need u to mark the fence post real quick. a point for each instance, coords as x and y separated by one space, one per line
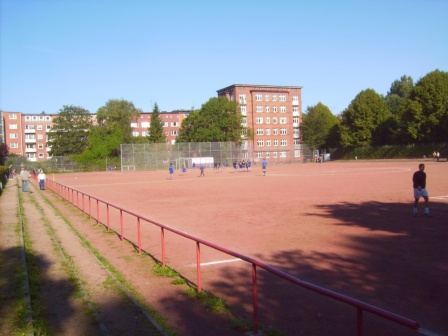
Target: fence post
121 224
162 237
138 236
255 298
198 265
360 322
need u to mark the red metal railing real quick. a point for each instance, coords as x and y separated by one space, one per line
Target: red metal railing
73 195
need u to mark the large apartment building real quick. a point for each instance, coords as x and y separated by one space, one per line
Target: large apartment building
274 114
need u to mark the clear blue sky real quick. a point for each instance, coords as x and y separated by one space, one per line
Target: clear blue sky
179 53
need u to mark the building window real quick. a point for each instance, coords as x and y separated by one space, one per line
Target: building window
135 134
29 136
134 125
13 136
268 143
27 118
13 116
296 153
259 120
268 131
282 154
275 131
295 120
12 126
259 155
260 143
14 145
175 124
267 108
295 109
282 98
274 120
48 127
30 127
266 97
40 137
40 146
282 109
39 127
41 155
295 100
174 132
268 120
284 142
47 118
274 109
258 97
297 142
243 109
244 121
283 131
41 117
242 98
145 124
165 124
258 108
34 118
275 142
260 131
31 155
283 120
274 155
274 97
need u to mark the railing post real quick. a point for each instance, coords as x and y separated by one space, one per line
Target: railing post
255 298
138 236
121 224
108 217
90 207
162 237
198 267
97 211
83 207
360 322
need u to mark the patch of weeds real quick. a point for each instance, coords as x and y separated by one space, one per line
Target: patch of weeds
179 281
165 271
212 302
238 323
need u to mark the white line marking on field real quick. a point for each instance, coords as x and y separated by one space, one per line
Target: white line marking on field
440 197
220 262
427 332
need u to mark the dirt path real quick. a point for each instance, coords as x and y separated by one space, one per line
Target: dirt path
78 295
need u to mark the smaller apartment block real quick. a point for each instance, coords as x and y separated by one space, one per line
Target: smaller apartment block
27 134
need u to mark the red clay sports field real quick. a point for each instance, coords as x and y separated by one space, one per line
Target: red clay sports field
344 226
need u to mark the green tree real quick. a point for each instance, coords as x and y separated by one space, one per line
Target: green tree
119 114
362 117
425 112
218 120
317 125
398 93
155 130
4 152
70 131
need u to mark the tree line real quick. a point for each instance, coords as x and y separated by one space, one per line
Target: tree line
408 113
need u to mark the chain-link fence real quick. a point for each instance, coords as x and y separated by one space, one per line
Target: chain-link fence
158 156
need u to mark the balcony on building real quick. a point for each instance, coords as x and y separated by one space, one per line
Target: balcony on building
30 150
30 131
30 141
295 103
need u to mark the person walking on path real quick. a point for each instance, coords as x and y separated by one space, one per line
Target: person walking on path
202 171
24 176
41 178
419 184
171 169
263 166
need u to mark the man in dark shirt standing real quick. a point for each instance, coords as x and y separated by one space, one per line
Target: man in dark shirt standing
419 184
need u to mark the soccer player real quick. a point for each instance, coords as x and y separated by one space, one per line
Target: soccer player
419 184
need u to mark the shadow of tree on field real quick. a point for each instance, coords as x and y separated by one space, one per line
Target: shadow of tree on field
401 267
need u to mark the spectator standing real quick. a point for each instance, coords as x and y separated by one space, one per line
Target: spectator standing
24 176
419 184
41 178
202 171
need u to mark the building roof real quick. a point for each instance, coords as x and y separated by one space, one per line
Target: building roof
260 86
